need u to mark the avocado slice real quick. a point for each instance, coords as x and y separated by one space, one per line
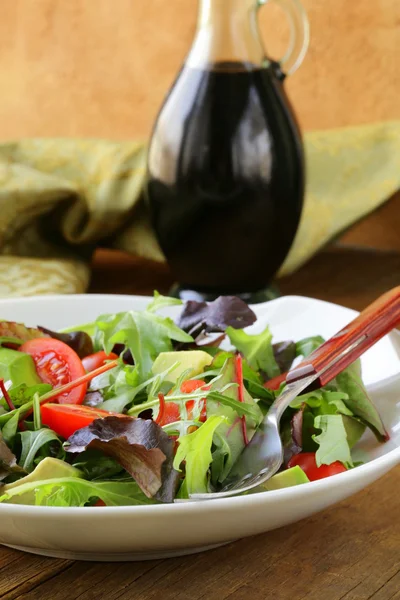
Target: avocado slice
48 468
288 478
195 360
18 367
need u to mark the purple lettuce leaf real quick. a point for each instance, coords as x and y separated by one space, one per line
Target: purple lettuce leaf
8 461
293 440
79 341
284 353
140 446
217 316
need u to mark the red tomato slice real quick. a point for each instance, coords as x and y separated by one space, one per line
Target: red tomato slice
172 411
203 410
57 364
307 462
65 419
94 361
276 382
171 414
190 386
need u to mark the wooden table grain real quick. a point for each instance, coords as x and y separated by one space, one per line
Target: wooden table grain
349 552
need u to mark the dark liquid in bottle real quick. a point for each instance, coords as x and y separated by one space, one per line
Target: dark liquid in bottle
225 178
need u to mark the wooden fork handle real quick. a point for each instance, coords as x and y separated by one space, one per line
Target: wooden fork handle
377 320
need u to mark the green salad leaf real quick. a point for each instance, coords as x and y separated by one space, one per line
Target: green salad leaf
358 401
21 394
159 302
144 333
338 435
229 441
256 349
73 491
32 442
324 402
307 345
195 450
252 379
127 386
95 466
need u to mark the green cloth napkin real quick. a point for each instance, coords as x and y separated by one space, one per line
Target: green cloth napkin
60 199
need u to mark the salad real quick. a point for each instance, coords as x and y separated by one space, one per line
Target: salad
135 408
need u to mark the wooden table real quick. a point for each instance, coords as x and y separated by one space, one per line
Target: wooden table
349 552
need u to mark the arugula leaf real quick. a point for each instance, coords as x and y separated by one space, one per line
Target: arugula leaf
73 491
324 402
145 334
140 446
306 346
32 442
159 302
127 386
256 349
21 394
338 435
253 381
358 401
195 450
229 442
224 312
10 427
94 465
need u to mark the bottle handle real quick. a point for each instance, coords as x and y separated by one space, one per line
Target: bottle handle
299 34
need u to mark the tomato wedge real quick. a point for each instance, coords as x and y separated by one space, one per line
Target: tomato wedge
57 364
189 387
96 360
170 415
307 462
65 419
172 411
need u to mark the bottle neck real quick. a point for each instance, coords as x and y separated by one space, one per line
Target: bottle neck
227 32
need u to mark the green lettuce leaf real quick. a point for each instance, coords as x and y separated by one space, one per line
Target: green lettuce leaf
195 450
339 433
358 401
21 394
253 380
228 441
159 302
256 349
71 491
32 442
324 402
96 466
144 333
306 346
127 386
10 426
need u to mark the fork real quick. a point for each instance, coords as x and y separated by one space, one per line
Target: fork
263 456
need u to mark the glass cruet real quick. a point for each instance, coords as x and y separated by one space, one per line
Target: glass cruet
225 177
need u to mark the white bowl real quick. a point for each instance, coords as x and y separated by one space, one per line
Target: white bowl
148 532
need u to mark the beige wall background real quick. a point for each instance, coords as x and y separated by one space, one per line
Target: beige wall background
101 68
